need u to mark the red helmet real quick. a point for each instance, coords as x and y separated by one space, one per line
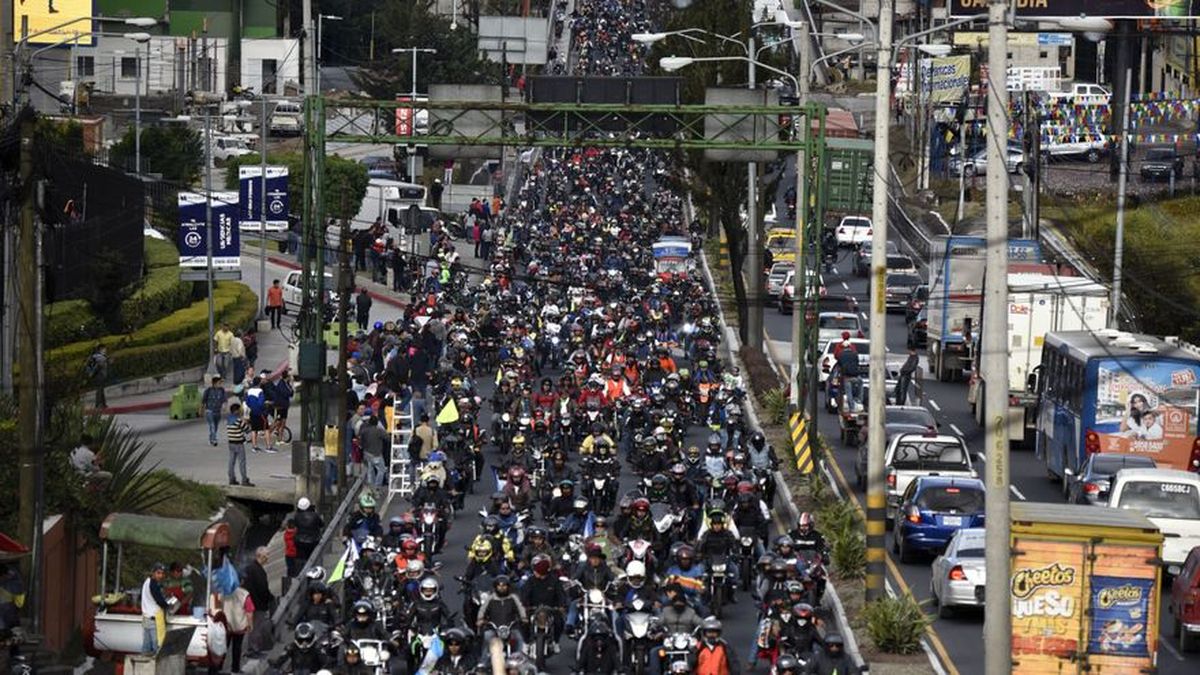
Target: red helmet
641 504
408 545
516 472
541 563
745 487
806 522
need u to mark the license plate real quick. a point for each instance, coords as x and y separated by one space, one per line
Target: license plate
979 593
952 521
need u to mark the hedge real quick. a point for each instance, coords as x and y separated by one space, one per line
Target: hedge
172 343
69 321
161 253
160 294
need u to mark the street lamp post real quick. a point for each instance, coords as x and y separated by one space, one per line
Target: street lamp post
140 38
412 157
320 34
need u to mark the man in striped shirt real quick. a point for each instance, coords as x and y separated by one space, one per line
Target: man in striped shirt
237 429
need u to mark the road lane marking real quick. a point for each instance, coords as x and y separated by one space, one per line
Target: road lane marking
1164 641
956 430
845 286
930 634
1016 492
933 404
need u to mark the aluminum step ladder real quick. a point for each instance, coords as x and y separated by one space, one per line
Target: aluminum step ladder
400 480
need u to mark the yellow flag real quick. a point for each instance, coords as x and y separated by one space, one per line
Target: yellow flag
449 414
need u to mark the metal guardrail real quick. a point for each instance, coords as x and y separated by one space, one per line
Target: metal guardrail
287 604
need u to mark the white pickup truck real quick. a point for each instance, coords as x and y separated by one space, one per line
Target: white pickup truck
1083 93
1091 148
911 455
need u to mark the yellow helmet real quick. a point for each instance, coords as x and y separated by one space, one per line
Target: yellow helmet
481 550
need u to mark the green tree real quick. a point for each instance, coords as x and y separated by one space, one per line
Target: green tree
413 24
174 150
344 188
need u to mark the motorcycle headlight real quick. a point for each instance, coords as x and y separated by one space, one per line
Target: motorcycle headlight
747 541
719 567
681 641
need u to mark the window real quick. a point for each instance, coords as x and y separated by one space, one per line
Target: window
269 69
129 67
1043 55
85 66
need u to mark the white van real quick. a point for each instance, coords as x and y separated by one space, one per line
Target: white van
287 119
293 293
390 201
1170 499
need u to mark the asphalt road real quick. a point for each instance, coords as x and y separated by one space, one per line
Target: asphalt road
958 638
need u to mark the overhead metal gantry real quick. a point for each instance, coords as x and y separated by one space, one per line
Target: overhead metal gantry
460 128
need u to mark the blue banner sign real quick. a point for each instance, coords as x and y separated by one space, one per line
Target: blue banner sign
193 235
250 186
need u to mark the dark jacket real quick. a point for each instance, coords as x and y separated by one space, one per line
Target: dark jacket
502 611
308 526
544 591
259 588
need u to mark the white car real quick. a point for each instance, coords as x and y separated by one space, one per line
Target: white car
776 277
787 290
831 325
959 575
225 148
826 360
976 165
911 455
1170 498
853 231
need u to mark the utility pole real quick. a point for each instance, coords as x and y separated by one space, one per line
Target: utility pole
345 283
310 320
1122 186
308 51
754 248
262 195
29 384
799 304
997 625
876 498
210 232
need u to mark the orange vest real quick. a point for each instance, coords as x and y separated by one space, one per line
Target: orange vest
615 389
711 661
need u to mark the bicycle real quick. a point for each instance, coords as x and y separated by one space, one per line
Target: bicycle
279 430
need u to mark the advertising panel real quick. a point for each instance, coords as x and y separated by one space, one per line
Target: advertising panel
193 235
250 186
1113 9
1147 406
1047 604
34 16
943 80
1119 616
404 119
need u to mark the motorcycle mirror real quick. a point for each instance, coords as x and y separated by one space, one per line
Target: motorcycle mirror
483 513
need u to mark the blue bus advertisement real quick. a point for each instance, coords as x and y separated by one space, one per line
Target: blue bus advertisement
1146 407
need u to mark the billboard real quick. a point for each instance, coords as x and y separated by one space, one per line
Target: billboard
193 235
1062 9
1147 407
404 118
35 16
943 80
250 186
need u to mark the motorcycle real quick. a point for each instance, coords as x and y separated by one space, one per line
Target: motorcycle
641 550
374 654
505 430
541 644
640 633
601 492
506 634
429 529
812 569
716 584
746 544
677 648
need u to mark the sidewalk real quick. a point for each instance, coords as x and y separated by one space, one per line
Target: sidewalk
181 446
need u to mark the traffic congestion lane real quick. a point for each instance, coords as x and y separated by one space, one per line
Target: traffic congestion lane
962 634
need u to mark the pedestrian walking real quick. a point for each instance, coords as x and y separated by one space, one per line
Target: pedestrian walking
362 308
487 235
257 406
95 372
907 372
373 439
476 230
237 613
255 581
291 554
237 354
399 269
222 344
154 609
275 304
212 404
237 430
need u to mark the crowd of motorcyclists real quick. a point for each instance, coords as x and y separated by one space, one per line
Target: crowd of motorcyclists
629 501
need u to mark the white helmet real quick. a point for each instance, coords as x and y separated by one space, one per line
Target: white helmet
303 504
316 573
635 568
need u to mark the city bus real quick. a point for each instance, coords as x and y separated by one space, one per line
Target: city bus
1111 391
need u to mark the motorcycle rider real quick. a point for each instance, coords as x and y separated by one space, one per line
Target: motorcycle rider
397 530
482 559
454 660
543 589
801 634
303 655
714 457
363 625
751 518
428 613
517 487
677 615
592 573
558 471
319 607
363 521
490 530
689 575
638 525
720 541
352 663
714 656
545 398
763 460
805 537
595 437
833 659
510 524
431 492
502 608
561 502
599 653
536 543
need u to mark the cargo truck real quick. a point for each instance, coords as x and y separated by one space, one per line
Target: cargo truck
956 297
1038 304
1084 589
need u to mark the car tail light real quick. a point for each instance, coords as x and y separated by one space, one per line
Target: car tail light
860 334
841 230
1091 488
914 515
1195 460
868 231
957 574
825 366
1091 443
891 479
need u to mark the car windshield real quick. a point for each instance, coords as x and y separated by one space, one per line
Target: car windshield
903 280
975 550
782 244
1161 499
901 262
1110 464
951 499
914 417
1160 154
780 271
915 454
856 222
839 322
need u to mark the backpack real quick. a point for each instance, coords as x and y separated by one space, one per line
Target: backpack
92 367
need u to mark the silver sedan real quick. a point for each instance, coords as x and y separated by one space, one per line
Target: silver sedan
958 576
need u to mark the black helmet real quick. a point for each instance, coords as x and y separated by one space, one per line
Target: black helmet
787 662
351 649
454 636
318 587
491 524
305 634
834 644
501 580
